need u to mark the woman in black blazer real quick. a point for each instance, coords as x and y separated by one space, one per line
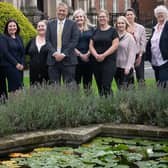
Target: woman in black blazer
38 49
13 58
157 50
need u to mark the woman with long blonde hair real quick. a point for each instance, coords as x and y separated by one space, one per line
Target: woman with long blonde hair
125 54
84 67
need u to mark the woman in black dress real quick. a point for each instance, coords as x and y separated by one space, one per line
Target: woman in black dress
103 46
13 58
84 66
37 49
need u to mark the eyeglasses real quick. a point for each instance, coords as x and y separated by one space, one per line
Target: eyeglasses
102 16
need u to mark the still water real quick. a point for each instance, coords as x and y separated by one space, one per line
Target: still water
102 152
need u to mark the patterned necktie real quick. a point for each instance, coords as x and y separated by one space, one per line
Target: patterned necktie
59 36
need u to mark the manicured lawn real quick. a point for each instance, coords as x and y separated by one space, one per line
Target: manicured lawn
147 81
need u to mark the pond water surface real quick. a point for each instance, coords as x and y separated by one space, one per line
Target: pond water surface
102 152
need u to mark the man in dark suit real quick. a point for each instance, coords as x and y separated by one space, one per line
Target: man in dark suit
63 36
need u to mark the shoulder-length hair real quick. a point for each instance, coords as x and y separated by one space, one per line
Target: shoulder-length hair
6 27
124 19
87 23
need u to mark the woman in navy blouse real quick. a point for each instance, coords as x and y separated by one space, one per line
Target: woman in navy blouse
84 67
13 56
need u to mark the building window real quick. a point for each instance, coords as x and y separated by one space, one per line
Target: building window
102 4
115 6
127 4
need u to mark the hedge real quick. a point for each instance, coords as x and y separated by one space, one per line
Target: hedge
10 12
53 107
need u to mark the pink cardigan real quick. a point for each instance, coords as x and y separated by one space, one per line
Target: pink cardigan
126 52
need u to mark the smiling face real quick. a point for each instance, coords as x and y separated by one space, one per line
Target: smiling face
62 12
41 28
80 18
12 28
103 18
121 25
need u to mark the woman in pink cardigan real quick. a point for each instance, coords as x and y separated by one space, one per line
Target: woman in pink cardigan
125 54
139 34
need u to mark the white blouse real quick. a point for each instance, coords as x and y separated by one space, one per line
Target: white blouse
39 45
157 59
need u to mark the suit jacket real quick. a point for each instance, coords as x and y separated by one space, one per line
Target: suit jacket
70 38
162 44
12 53
37 58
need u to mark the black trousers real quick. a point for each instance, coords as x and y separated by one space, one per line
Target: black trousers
83 74
3 87
123 81
59 70
38 75
140 71
104 73
161 74
14 78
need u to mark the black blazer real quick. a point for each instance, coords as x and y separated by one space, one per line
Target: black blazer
12 53
70 38
162 44
37 58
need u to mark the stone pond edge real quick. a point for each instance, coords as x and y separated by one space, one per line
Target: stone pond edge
76 136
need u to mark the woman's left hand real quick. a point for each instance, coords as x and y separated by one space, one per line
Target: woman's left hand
84 57
126 71
100 58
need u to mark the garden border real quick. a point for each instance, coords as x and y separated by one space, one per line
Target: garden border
76 136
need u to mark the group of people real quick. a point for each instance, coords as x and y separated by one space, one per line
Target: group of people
74 50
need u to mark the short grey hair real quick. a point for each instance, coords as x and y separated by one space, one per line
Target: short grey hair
161 9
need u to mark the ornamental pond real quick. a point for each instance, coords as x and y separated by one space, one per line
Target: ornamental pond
101 152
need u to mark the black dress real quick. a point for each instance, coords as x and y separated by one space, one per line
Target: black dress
38 62
84 69
104 71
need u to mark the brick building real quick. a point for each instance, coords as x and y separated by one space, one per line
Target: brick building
144 8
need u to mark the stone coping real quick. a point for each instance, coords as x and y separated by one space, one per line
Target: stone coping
76 136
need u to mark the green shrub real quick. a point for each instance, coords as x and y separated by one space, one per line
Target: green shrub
51 107
10 12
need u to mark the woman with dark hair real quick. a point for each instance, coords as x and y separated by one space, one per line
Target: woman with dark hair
38 49
139 34
103 46
13 56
